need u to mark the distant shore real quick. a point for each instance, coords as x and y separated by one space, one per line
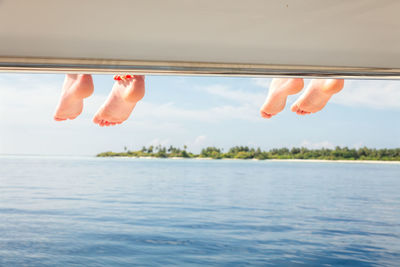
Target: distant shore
339 154
274 160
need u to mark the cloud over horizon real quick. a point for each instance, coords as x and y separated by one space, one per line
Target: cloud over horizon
197 112
371 94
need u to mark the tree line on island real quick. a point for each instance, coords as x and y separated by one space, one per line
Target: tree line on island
245 152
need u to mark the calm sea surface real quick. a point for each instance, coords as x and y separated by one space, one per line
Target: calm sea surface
142 212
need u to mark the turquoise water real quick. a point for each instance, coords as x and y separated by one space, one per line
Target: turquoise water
125 212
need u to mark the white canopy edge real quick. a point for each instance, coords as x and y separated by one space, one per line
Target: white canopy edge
95 66
336 38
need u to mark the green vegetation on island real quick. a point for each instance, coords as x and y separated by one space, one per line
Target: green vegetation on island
244 152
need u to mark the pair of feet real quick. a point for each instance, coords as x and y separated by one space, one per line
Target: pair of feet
316 96
125 93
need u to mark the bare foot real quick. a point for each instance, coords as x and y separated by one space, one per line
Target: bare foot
317 95
278 92
121 101
76 87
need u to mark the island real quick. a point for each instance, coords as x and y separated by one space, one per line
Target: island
245 152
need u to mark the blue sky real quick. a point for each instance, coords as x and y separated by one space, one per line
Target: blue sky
196 111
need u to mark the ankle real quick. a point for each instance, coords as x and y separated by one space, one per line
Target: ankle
84 86
333 86
136 93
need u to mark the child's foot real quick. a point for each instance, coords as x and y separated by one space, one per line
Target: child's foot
76 87
278 92
317 95
121 101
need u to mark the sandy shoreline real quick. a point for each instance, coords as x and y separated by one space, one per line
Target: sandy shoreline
282 160
338 161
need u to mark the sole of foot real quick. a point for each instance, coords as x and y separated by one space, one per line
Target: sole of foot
121 101
317 95
76 88
279 90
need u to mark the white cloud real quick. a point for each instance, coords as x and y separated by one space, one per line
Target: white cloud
245 107
35 101
241 96
262 82
370 94
21 105
199 140
173 113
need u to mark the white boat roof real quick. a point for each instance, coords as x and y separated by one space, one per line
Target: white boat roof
340 38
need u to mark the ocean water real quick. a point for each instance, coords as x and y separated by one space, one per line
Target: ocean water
160 212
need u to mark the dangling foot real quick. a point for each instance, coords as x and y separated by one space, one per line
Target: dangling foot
278 92
76 87
126 92
317 95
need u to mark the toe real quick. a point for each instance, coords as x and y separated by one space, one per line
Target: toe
265 115
294 107
96 119
59 119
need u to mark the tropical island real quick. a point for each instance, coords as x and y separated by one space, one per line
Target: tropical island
245 152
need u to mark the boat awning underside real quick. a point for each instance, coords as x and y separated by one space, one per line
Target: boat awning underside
337 38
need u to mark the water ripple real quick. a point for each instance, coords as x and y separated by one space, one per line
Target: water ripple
114 212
